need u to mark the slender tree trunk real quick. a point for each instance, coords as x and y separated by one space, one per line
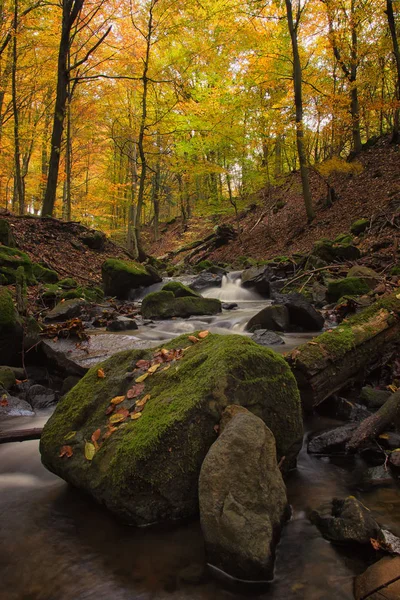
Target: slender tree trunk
354 104
18 188
66 211
298 99
396 52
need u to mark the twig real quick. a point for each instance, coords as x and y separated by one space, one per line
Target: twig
328 268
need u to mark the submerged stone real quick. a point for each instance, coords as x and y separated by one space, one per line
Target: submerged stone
147 470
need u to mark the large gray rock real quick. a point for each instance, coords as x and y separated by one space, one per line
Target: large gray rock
302 314
165 305
10 406
40 397
205 280
68 309
333 441
274 318
258 278
267 338
242 499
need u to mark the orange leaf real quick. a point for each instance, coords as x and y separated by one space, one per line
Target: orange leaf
375 544
193 339
4 401
117 400
143 401
122 411
110 409
96 435
135 391
101 374
143 364
66 451
203 334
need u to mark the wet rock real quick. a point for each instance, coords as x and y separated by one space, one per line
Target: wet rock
120 277
11 333
68 383
39 396
302 314
340 408
378 577
7 377
349 522
377 476
10 406
258 278
318 294
69 309
389 440
206 280
229 305
273 318
242 499
275 287
267 338
122 324
333 441
370 277
373 397
148 470
164 305
179 290
394 460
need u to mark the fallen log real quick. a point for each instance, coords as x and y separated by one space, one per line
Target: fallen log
20 435
371 427
341 356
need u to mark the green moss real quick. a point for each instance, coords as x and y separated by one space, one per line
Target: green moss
332 251
7 377
127 267
10 260
344 238
164 305
179 290
395 271
6 236
68 283
359 226
88 294
8 315
349 286
43 274
120 277
203 265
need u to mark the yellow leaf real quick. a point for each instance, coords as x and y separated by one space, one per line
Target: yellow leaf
143 401
153 369
70 435
142 378
203 334
117 400
101 374
117 418
90 451
135 416
384 436
393 388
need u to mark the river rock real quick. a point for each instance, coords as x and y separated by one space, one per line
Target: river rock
267 338
205 280
258 278
302 314
273 318
349 286
373 397
39 396
122 324
333 441
120 277
341 408
229 305
370 277
242 499
147 471
378 577
7 377
11 406
165 305
179 290
11 333
349 522
68 309
377 476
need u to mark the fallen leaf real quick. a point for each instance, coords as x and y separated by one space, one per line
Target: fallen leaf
122 411
142 378
101 374
203 334
109 432
216 428
95 435
143 401
110 409
166 368
66 451
117 418
117 400
393 388
165 352
70 435
193 339
4 402
143 364
90 451
135 416
153 368
375 544
384 436
312 343
135 391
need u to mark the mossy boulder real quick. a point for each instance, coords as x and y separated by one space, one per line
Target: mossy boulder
93 239
370 277
164 305
68 283
330 251
344 238
43 274
349 286
359 226
147 470
10 260
94 294
7 378
120 277
6 235
179 290
10 330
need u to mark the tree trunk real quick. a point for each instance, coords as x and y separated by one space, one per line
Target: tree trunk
18 187
396 52
298 99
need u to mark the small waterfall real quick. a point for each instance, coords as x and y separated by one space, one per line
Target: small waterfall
231 290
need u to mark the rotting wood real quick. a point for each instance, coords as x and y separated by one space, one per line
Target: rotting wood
346 354
20 435
375 424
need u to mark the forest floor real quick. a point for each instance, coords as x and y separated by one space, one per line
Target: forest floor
268 231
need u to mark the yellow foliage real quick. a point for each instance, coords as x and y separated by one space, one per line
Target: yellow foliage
340 166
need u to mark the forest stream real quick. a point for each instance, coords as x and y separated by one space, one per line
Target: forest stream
57 544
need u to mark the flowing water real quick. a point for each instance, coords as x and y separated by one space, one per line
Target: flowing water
57 544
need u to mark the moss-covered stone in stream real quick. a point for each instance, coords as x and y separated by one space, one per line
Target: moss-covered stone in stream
7 378
148 469
164 305
120 277
10 260
349 286
179 290
43 274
